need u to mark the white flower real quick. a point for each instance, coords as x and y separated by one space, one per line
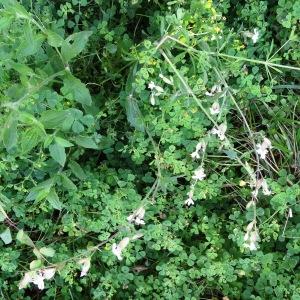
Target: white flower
251 237
255 35
265 188
262 149
220 131
166 80
189 202
151 85
199 147
290 213
199 174
86 264
118 248
137 216
215 108
215 89
37 278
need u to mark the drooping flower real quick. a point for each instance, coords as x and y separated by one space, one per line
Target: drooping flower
215 108
265 188
85 265
137 217
215 89
37 277
262 149
199 147
290 213
199 174
155 91
255 36
189 202
261 183
220 131
118 248
251 237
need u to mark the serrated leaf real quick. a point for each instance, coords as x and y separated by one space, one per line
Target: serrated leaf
30 138
77 170
6 236
51 119
67 183
74 87
58 153
54 200
23 238
74 44
46 251
86 142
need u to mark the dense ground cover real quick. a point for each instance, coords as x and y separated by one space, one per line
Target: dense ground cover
149 149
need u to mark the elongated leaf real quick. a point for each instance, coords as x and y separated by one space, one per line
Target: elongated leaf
77 170
40 191
62 142
9 135
58 153
67 183
79 92
54 200
74 44
6 236
86 142
23 238
134 115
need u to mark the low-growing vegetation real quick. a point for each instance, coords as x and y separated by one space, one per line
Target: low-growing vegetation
149 149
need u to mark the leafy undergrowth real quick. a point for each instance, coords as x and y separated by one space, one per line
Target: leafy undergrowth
149 149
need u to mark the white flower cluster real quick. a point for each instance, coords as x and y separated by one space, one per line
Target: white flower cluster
251 237
137 217
262 149
220 131
155 91
37 277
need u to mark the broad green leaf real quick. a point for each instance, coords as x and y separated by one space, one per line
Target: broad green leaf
77 170
67 183
40 191
35 264
22 69
6 236
133 113
62 142
54 39
51 119
74 44
86 142
46 251
54 200
58 153
78 91
9 134
30 138
23 238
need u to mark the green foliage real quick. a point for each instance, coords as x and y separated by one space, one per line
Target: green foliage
103 195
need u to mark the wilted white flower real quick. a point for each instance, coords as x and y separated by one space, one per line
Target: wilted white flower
215 108
265 188
251 237
138 216
199 174
166 80
85 265
220 131
255 35
189 202
118 248
262 149
215 89
290 213
199 147
37 278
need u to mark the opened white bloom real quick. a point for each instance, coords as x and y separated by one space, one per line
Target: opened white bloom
262 149
37 278
220 131
199 174
215 108
255 36
155 91
199 147
85 265
137 217
151 85
251 237
118 248
189 202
